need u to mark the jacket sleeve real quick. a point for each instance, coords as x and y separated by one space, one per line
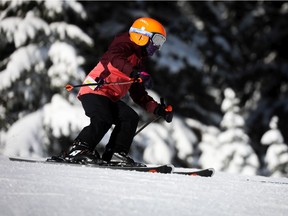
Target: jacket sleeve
141 97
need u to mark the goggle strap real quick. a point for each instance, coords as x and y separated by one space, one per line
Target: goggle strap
140 31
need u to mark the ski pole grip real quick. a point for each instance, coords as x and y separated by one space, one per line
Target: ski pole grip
169 108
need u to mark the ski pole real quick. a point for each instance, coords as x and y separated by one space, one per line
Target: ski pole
146 124
69 87
168 109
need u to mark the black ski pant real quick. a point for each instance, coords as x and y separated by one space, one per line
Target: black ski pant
104 113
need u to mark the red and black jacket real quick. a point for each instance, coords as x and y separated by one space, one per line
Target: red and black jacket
116 65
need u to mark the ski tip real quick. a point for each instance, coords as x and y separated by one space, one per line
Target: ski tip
172 167
212 170
209 172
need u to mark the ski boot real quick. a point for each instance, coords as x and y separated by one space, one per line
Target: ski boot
120 159
107 155
80 152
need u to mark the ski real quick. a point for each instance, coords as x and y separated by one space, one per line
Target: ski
152 169
165 169
202 173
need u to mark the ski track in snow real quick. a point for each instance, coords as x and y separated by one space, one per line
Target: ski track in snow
49 189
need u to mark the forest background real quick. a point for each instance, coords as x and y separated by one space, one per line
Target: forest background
223 68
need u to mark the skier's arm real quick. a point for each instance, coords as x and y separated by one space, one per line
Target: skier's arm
141 97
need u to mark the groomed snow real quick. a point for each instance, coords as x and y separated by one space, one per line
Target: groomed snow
48 189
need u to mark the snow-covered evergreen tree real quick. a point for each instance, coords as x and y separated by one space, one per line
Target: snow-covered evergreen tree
276 157
237 154
231 149
39 56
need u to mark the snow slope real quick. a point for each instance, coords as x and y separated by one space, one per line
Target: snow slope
48 189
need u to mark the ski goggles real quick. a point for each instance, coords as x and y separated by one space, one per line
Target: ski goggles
157 39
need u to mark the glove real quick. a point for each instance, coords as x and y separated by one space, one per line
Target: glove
145 77
100 82
164 111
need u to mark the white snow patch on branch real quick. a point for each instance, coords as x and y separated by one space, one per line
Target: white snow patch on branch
23 59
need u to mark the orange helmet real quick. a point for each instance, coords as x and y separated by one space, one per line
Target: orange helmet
146 28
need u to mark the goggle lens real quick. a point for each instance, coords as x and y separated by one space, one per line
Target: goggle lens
158 40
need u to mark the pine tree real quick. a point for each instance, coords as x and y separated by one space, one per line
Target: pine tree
276 157
39 56
230 148
237 154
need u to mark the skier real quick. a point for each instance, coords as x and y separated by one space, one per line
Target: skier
122 61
